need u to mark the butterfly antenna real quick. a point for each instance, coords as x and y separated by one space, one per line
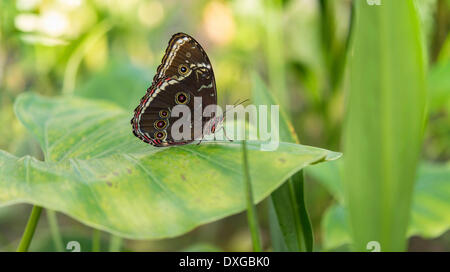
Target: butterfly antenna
246 100
235 104
237 101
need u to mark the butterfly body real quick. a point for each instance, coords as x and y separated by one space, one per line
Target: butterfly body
184 73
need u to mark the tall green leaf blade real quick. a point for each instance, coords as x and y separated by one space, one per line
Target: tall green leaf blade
276 235
288 207
100 174
384 122
261 96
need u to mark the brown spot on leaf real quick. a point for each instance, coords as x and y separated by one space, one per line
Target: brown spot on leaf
115 173
129 170
282 160
109 183
183 177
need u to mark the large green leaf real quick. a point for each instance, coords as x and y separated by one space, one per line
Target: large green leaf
96 171
384 121
290 225
429 214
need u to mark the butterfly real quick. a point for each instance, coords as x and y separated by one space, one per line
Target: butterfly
185 72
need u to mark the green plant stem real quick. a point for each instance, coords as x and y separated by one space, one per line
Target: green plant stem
30 228
115 243
96 240
301 240
251 211
54 230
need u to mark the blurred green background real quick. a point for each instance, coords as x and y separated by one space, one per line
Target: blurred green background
109 49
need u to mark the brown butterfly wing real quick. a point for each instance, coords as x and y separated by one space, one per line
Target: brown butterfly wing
182 49
185 70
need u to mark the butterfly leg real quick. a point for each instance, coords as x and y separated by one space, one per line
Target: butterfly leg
225 134
200 141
